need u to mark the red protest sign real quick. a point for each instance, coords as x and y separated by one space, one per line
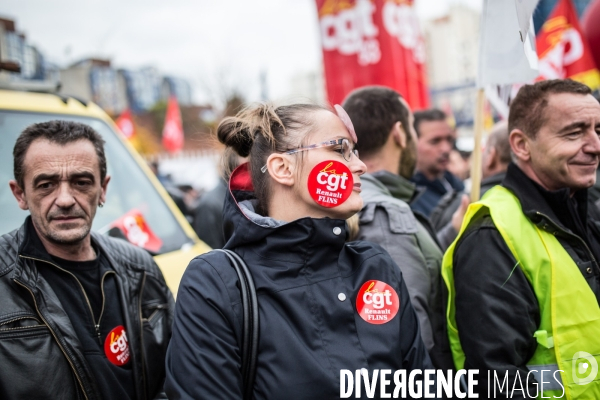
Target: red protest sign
375 42
562 49
137 231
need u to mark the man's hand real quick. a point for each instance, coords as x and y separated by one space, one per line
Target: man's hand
459 214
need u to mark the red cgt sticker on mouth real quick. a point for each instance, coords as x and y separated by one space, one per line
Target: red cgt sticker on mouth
330 183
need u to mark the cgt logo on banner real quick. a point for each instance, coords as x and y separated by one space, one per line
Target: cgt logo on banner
562 49
401 22
372 42
351 30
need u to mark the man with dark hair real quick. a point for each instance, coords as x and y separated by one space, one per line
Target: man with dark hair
81 315
435 142
523 275
494 162
387 143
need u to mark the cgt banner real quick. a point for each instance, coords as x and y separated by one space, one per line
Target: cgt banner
373 42
562 49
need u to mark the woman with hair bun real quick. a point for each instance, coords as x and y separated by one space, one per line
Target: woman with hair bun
324 304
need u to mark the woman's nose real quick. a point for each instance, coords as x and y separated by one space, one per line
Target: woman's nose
357 167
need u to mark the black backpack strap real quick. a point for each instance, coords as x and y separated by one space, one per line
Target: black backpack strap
250 320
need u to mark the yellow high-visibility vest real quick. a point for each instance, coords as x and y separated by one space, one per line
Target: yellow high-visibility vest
569 333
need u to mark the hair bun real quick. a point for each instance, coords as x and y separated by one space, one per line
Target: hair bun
239 132
235 133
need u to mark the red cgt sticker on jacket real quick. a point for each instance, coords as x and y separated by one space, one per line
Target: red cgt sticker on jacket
116 346
330 183
377 302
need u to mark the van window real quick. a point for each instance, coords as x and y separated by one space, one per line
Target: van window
128 189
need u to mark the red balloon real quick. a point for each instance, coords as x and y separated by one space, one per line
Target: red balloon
590 24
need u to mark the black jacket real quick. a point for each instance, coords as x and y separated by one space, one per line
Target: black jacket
40 354
307 279
442 213
497 312
208 216
433 191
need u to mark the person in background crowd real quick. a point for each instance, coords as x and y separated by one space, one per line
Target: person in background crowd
191 196
314 289
459 164
208 215
494 162
523 275
162 178
384 128
176 194
495 158
81 315
436 140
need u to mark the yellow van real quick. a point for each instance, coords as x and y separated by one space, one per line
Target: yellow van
132 187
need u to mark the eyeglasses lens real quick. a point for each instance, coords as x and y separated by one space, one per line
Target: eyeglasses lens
347 150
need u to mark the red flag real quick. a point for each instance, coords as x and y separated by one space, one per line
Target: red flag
373 42
563 50
173 131
125 124
137 231
591 28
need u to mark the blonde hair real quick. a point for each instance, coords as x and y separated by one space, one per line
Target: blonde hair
353 227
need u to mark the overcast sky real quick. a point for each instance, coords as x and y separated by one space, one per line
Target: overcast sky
204 41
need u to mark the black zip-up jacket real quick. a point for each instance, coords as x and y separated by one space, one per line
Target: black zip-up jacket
497 312
443 212
307 279
433 191
40 354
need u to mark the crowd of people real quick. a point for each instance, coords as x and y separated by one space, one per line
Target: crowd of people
363 253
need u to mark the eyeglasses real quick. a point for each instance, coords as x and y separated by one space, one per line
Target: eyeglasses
346 149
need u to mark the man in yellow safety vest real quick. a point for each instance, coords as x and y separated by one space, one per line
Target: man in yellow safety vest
523 275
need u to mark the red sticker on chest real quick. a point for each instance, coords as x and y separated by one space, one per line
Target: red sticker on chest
330 183
116 346
377 302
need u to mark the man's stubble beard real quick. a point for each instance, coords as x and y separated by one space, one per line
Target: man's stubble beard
54 236
408 161
58 239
